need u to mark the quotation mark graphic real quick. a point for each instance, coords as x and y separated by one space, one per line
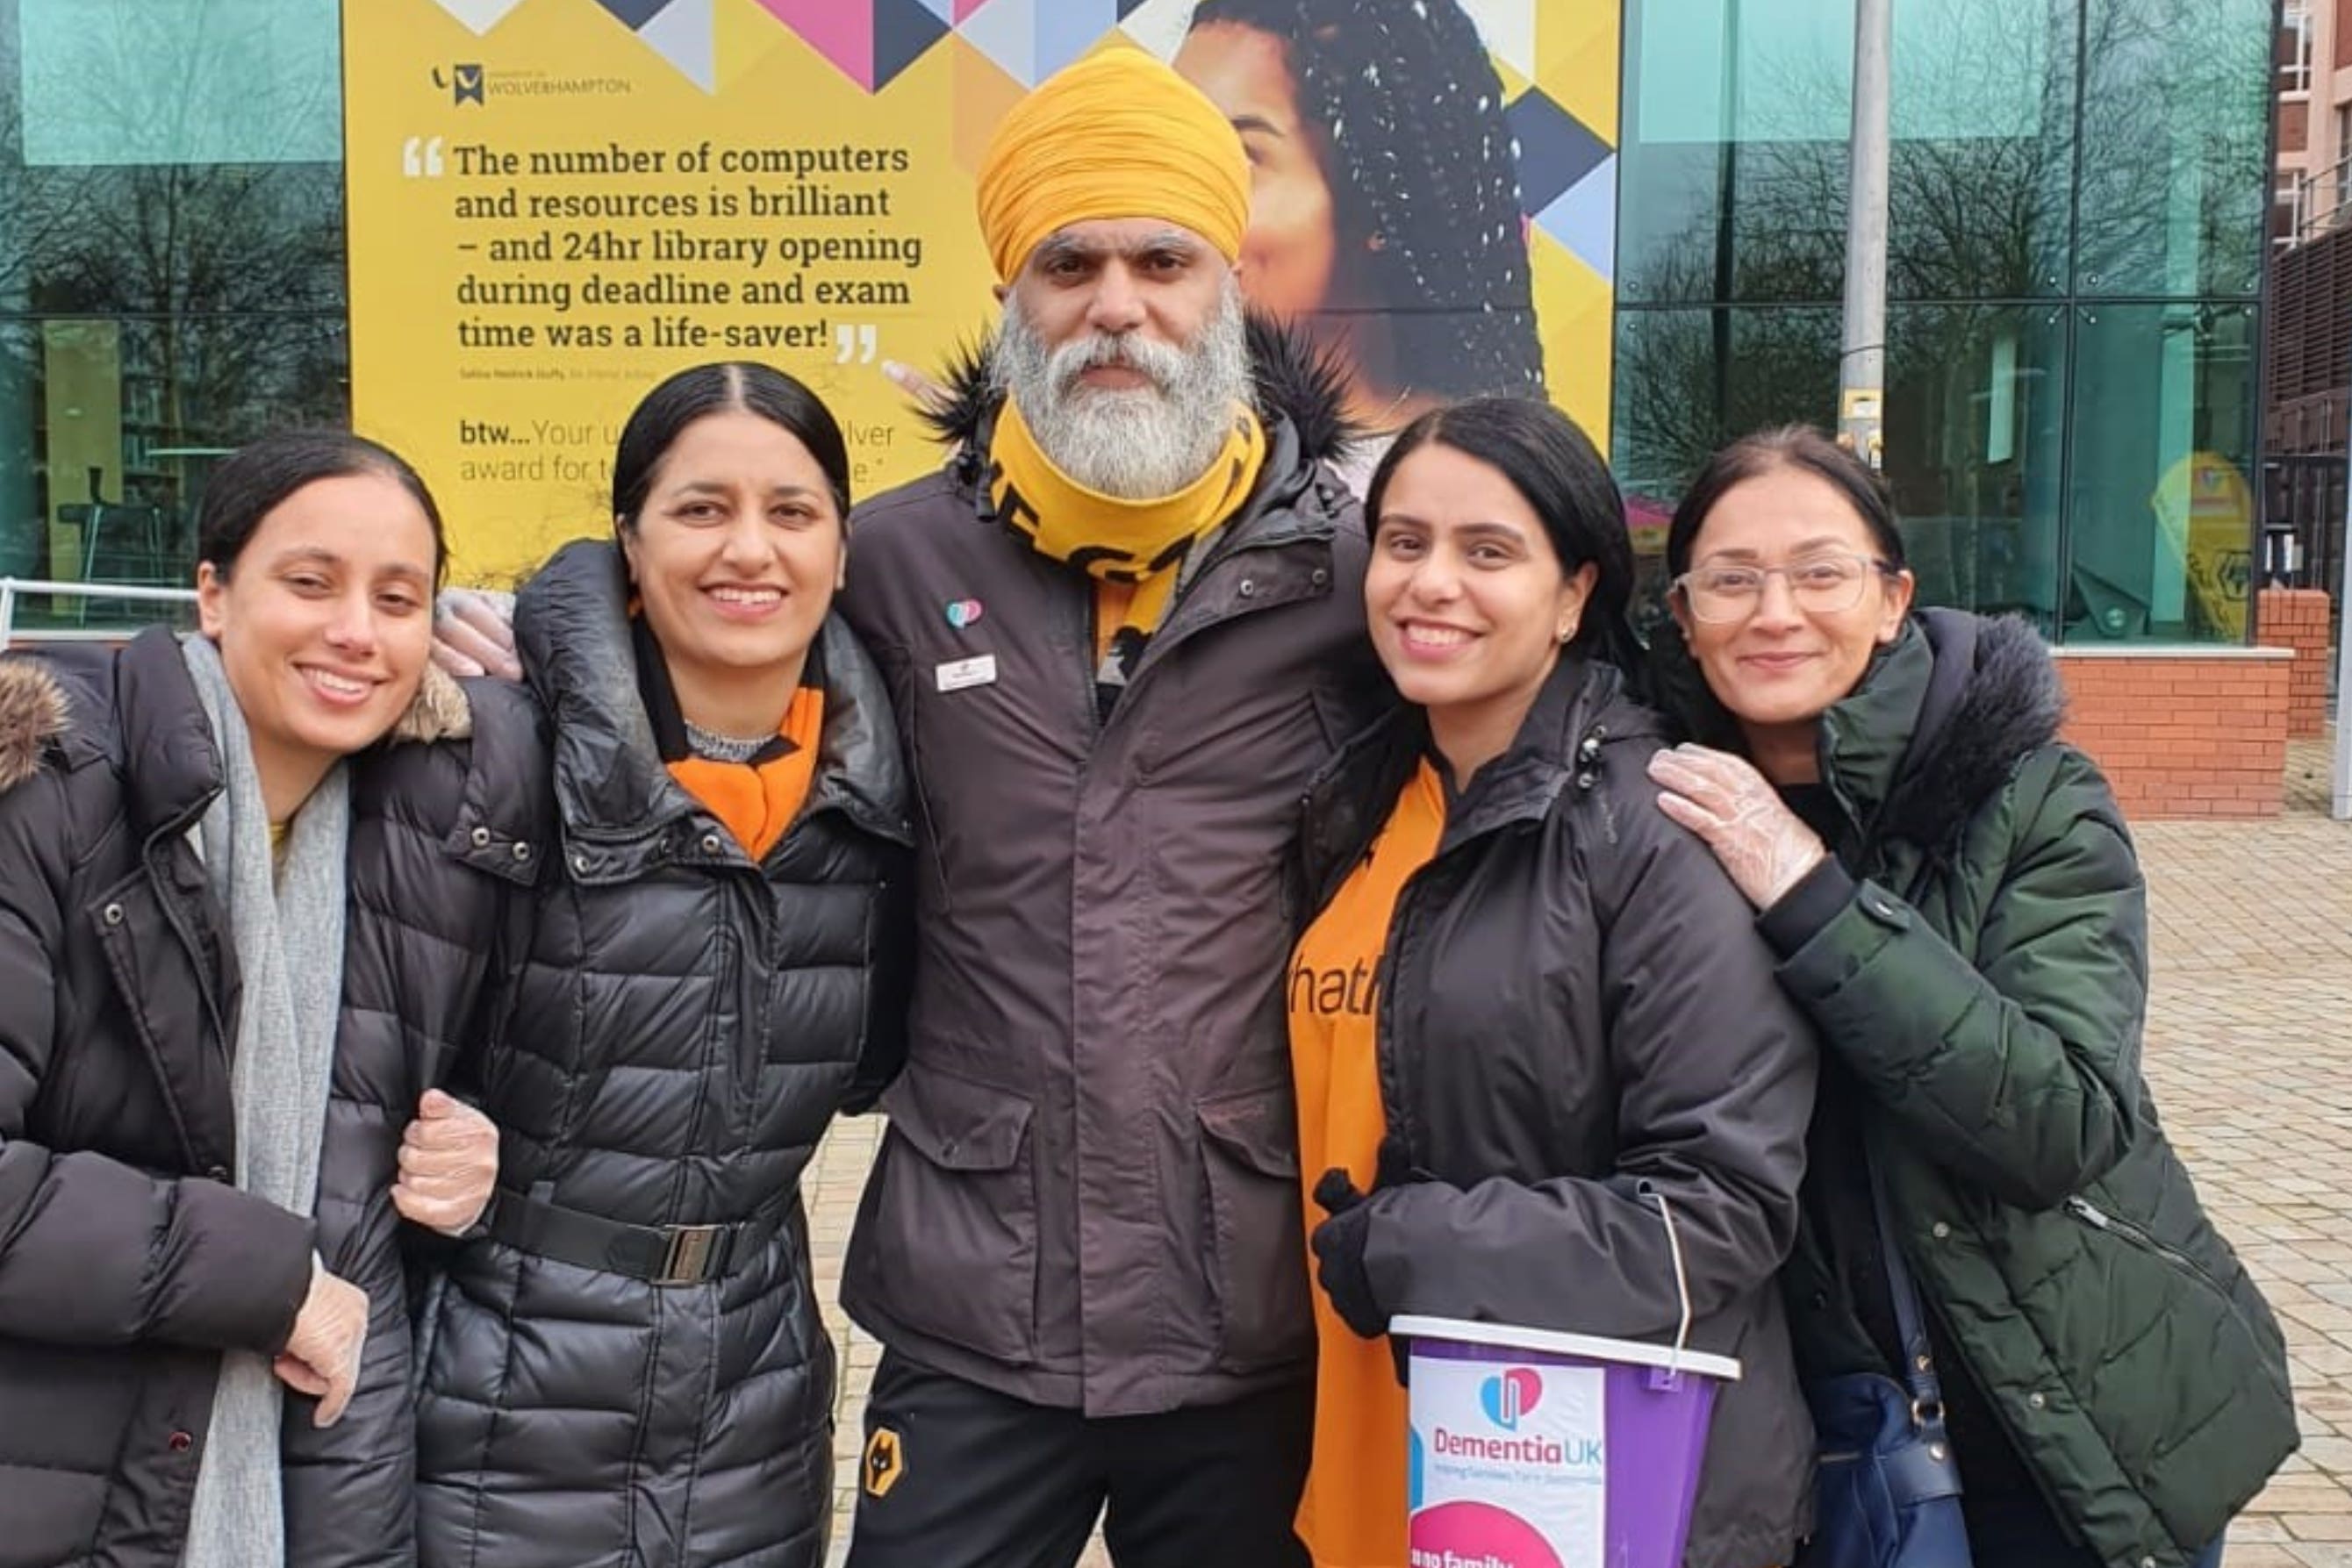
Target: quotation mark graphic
420 157
860 342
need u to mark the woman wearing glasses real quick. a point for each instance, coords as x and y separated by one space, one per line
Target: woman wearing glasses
1953 898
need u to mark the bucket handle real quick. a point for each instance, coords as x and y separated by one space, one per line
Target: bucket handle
1681 1280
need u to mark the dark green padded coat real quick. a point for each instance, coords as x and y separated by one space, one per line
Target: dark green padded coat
1978 959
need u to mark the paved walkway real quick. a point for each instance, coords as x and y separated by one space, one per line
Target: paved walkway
2249 1049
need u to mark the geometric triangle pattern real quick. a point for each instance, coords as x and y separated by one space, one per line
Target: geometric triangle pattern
482 16
632 14
1508 28
1584 217
684 33
903 31
1031 39
1556 151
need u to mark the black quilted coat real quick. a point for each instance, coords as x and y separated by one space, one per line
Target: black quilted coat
127 1264
684 1027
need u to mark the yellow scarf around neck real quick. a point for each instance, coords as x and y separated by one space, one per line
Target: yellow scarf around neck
1136 543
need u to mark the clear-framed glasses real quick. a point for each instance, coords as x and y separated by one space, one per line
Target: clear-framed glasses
1821 584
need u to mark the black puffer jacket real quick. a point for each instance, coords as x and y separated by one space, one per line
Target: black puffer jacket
684 1026
127 1264
1576 1018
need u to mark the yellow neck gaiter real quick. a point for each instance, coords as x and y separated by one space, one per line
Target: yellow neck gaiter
1137 545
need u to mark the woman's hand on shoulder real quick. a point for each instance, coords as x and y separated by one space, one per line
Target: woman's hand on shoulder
449 1165
1765 848
473 633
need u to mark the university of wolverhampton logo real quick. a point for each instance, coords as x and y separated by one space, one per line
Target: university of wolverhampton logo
1509 1394
464 82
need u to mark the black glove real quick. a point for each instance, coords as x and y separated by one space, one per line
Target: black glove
1338 1241
1338 1244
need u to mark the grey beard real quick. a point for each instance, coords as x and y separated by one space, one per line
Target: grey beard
1136 443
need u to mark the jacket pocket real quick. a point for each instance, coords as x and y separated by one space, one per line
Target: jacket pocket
1258 1237
949 1242
2256 1342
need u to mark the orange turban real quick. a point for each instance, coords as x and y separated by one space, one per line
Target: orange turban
1117 135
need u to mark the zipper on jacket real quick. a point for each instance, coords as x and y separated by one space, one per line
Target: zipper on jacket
2099 1219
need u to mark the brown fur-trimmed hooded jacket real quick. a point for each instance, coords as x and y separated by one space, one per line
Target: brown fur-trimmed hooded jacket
128 1264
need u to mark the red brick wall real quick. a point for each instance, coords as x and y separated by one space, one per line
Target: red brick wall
2296 619
2182 735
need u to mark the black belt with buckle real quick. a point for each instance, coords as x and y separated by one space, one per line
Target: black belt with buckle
658 1254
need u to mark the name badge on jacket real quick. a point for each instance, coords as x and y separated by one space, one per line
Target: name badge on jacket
957 674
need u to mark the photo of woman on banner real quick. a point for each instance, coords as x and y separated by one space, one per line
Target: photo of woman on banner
1385 214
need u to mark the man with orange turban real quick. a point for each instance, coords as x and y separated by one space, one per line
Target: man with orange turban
1123 628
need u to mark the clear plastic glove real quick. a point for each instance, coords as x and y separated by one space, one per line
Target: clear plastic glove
1765 848
321 1357
449 1165
927 393
473 633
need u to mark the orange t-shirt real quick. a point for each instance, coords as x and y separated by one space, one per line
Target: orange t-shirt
1352 1514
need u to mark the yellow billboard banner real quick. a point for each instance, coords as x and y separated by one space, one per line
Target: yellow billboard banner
554 203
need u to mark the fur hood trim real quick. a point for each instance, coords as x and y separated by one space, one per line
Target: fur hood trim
1293 379
439 711
1995 697
33 712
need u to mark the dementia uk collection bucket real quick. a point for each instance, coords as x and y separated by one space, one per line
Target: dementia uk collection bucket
1537 1449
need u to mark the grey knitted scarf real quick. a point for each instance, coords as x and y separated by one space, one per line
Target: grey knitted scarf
288 931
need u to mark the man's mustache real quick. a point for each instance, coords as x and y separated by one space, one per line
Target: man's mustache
1104 350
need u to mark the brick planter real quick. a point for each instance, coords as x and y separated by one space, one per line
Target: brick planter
2183 731
2296 619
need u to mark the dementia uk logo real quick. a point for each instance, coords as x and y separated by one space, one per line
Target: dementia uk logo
1508 1395
1505 1399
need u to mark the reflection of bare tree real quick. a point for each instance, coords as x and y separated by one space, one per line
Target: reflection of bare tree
229 276
1989 201
239 269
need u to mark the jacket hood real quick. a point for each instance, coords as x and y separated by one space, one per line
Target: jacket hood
1990 694
33 712
571 629
1293 380
1583 714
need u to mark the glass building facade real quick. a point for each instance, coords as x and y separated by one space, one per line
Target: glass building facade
2079 194
2078 190
171 270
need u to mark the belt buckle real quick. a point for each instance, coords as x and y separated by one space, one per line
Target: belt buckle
692 1253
